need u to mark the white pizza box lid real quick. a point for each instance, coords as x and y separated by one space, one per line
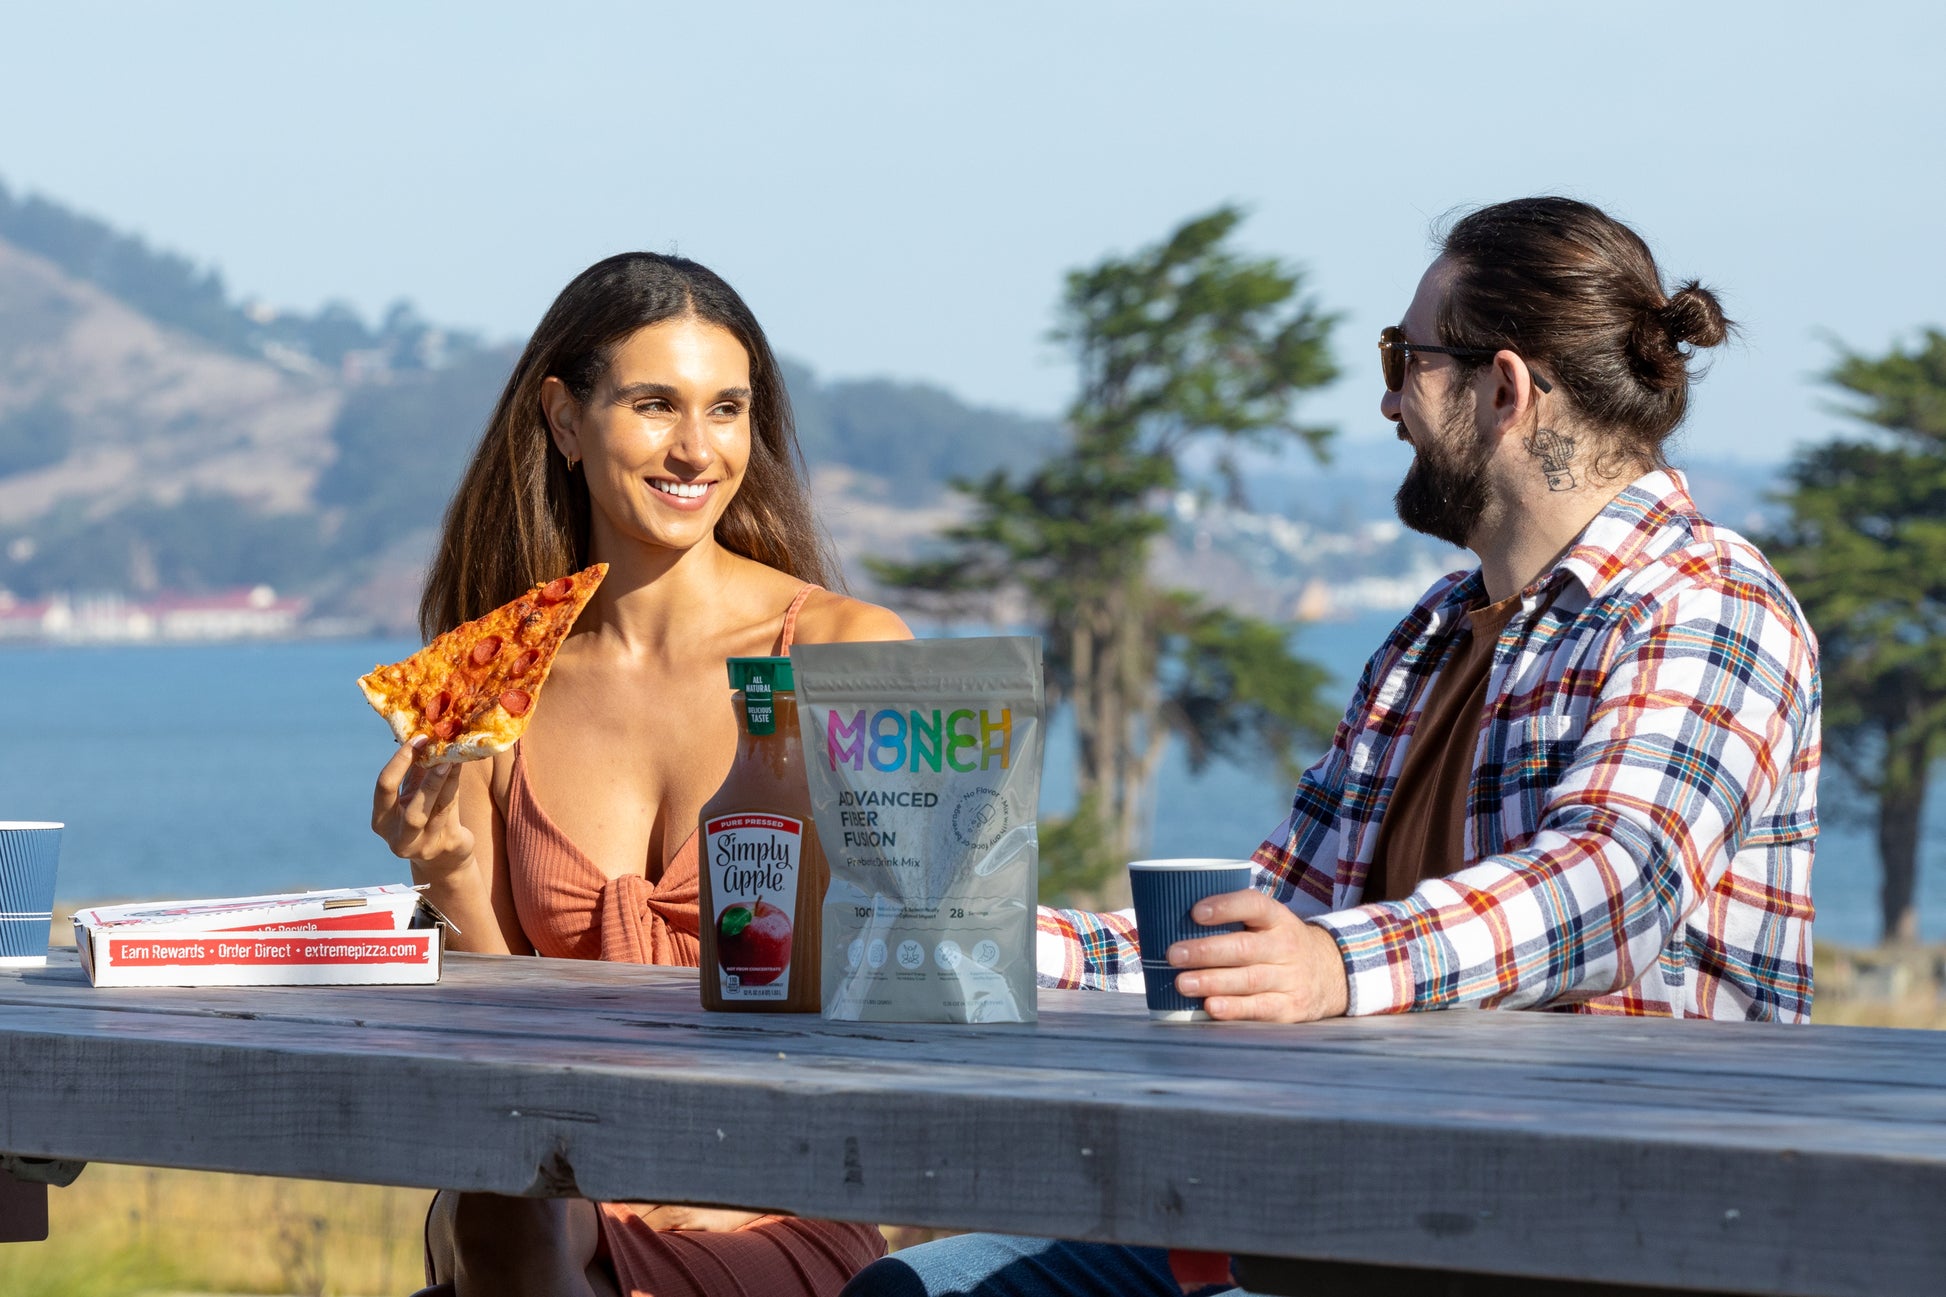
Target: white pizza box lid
145 957
388 907
344 936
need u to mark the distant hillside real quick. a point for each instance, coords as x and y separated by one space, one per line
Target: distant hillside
156 434
176 293
101 407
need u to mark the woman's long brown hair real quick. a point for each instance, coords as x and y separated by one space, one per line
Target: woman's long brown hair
520 517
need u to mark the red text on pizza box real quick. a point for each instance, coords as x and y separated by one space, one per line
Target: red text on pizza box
349 936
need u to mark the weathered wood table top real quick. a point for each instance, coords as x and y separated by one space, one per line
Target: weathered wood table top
1720 1156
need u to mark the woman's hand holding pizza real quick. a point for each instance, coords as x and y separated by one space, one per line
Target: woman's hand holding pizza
415 809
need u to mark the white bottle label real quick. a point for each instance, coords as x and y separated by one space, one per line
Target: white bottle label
752 860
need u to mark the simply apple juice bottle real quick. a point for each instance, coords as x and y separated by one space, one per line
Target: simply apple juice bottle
763 872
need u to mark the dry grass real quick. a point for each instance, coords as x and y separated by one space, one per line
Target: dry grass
125 1230
62 933
1881 986
1922 1013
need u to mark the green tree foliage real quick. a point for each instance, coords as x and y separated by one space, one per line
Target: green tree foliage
1184 342
1864 549
1232 687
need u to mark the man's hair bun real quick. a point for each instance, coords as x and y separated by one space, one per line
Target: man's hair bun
1694 316
1690 317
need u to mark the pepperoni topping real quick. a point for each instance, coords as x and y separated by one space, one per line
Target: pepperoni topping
557 590
486 650
526 662
437 707
516 701
447 730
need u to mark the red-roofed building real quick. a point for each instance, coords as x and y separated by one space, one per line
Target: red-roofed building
254 613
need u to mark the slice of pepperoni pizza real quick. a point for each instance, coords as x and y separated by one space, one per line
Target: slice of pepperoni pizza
472 689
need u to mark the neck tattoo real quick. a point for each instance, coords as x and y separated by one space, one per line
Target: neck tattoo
1556 453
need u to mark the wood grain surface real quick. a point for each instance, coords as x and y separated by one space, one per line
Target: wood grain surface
1714 1156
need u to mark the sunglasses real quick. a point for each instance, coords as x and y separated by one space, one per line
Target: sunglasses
1393 350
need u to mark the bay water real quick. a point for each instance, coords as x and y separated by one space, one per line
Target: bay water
224 769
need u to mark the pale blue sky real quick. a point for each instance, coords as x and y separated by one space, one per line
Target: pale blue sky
898 187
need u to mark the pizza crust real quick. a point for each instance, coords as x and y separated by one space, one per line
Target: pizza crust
467 747
400 721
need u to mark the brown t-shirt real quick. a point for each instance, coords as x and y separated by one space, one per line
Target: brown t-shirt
1423 833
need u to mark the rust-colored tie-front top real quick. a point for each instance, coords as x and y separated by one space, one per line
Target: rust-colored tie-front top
570 910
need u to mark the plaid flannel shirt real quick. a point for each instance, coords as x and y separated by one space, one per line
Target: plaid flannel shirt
1643 806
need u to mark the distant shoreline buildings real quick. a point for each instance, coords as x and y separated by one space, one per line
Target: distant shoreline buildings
252 613
1300 571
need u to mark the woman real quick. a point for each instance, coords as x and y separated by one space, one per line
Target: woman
645 426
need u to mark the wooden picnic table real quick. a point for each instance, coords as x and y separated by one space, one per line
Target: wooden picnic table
1721 1157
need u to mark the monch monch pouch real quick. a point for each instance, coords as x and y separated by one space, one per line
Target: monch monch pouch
924 758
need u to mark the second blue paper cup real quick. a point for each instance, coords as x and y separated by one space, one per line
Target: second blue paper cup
1165 892
29 851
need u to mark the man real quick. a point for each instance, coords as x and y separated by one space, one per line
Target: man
1582 775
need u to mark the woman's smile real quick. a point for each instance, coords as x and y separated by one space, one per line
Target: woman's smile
687 496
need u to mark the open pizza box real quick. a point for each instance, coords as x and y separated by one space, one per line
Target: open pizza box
345 936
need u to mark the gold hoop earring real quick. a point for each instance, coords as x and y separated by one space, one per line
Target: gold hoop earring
572 461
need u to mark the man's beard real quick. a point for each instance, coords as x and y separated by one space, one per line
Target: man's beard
1446 489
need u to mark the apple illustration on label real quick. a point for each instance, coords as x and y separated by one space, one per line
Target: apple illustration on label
754 942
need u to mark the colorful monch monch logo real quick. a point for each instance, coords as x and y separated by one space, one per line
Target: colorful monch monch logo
962 740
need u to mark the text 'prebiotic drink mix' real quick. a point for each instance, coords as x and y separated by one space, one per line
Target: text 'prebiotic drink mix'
762 874
924 761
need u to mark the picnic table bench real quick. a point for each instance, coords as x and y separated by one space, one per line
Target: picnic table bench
1533 1148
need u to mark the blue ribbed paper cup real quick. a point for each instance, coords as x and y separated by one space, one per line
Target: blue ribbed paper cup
1165 891
28 852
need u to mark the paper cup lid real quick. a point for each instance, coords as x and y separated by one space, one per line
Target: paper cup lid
1190 862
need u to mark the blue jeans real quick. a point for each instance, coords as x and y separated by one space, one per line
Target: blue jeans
1004 1265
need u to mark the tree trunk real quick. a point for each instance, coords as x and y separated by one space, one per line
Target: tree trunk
1111 676
1129 747
1117 730
1901 800
1087 711
1146 737
1097 720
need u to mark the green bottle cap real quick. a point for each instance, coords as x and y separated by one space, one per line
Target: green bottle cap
757 679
